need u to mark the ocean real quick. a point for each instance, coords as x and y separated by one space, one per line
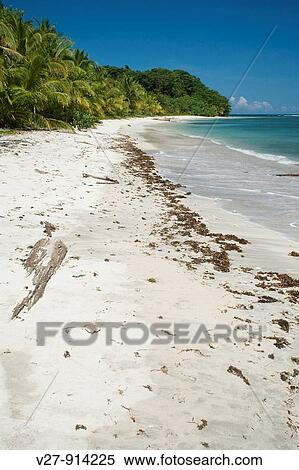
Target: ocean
237 161
274 137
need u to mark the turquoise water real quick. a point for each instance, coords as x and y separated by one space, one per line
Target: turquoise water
239 164
273 137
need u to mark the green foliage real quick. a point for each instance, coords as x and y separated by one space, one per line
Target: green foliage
46 84
182 93
177 91
82 119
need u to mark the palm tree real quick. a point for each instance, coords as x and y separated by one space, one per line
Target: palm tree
110 95
30 91
44 83
132 91
81 59
15 34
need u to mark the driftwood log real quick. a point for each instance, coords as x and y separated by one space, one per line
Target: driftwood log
105 179
288 174
42 263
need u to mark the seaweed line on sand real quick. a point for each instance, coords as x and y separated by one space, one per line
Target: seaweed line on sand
185 230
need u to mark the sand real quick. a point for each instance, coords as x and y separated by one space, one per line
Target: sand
242 184
113 253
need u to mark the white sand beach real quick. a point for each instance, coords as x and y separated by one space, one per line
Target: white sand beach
133 252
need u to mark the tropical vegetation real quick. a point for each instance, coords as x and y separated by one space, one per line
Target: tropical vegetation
45 83
177 91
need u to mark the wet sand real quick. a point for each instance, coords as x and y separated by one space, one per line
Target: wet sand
241 183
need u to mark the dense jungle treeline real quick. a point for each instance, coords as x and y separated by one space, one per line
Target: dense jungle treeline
45 83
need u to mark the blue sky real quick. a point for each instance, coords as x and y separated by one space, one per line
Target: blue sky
214 40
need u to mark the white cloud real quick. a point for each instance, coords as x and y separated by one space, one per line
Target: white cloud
243 104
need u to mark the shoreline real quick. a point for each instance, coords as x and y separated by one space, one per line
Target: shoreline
232 165
282 159
118 237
